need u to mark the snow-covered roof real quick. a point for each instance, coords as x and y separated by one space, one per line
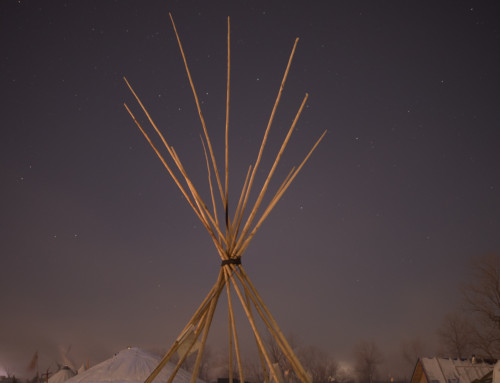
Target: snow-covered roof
131 365
62 375
441 370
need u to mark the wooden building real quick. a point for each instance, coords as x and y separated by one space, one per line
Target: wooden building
442 370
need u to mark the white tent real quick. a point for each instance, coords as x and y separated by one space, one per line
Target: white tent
62 375
131 365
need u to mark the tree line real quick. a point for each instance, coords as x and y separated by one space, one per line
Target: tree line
474 327
319 364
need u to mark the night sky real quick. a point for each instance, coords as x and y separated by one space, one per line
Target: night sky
100 251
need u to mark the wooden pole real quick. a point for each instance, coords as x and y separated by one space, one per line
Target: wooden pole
261 356
210 183
247 299
230 327
199 201
194 319
181 360
260 343
226 185
280 193
237 216
259 156
206 329
199 109
273 326
202 211
273 168
227 274
181 188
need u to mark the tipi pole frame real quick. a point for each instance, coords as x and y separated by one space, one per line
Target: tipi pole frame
233 244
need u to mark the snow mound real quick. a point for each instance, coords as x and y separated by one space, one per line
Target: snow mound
131 365
62 375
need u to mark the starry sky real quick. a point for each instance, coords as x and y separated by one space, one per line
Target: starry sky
100 251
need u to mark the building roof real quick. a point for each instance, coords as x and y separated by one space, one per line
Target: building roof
442 370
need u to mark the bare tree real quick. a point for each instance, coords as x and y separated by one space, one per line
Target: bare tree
482 294
344 375
189 362
206 361
411 350
322 367
456 335
367 359
482 298
254 372
277 355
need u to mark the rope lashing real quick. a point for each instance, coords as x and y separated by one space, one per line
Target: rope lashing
231 261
